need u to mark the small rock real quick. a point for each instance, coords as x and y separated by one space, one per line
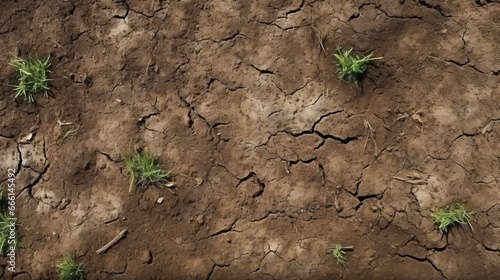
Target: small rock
146 257
200 220
26 139
160 200
374 208
273 247
64 203
178 241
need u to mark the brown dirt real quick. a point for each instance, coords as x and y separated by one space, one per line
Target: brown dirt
273 159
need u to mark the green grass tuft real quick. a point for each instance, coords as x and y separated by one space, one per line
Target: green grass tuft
32 77
452 215
69 269
69 132
339 254
350 66
144 170
5 228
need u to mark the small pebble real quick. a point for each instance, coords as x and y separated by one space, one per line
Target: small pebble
146 257
160 200
64 203
200 220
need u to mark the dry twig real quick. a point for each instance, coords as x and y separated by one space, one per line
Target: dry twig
370 134
411 181
112 242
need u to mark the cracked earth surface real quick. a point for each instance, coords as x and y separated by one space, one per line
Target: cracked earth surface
274 159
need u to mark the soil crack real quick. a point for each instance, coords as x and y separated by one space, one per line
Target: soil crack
425 259
11 136
224 230
436 268
211 272
337 138
107 156
262 71
293 11
256 179
434 7
127 7
232 36
412 257
142 120
398 17
485 2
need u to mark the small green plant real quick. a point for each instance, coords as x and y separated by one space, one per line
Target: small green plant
350 66
144 170
65 133
452 215
69 269
32 77
9 239
5 233
338 253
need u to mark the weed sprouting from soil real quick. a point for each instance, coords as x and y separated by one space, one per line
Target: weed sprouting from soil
352 67
32 77
8 236
69 269
69 132
5 229
452 215
338 253
145 170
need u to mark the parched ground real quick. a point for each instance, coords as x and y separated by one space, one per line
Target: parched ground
276 158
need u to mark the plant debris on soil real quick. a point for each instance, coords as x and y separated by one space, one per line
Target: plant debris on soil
277 157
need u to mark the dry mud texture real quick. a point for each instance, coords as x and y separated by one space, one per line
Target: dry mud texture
273 159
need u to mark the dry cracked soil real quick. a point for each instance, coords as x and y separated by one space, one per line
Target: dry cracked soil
276 159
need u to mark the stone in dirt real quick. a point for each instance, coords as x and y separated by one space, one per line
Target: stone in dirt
146 257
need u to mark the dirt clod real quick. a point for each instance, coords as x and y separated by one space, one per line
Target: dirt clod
146 257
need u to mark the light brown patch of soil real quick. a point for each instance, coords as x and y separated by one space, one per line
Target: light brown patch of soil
273 159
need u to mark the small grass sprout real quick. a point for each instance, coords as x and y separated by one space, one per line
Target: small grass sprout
338 253
6 241
145 170
65 133
350 66
8 234
455 214
32 77
69 269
